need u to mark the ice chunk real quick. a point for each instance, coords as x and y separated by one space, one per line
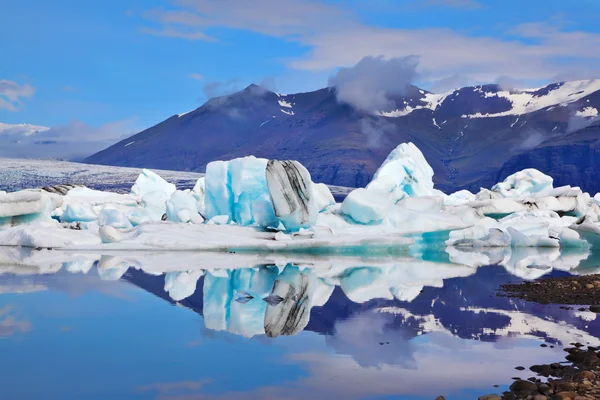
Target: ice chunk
113 217
199 193
365 206
424 204
27 206
523 183
79 212
219 220
155 203
405 172
26 202
323 196
291 193
181 207
497 207
238 188
459 198
149 181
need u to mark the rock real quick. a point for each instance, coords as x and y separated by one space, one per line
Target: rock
543 370
490 397
545 389
565 396
561 386
522 387
595 309
589 286
519 368
539 397
585 375
584 357
440 398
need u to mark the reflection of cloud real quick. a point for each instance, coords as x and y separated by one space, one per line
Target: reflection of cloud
371 342
9 324
443 364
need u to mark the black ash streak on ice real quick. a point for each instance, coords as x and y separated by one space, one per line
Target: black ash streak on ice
291 315
288 175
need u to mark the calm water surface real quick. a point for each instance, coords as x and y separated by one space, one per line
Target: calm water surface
108 330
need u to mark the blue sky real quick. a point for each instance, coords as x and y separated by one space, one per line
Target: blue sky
124 65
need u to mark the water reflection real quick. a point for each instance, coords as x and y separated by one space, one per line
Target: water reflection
384 326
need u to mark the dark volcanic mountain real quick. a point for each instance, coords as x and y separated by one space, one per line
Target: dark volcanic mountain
472 137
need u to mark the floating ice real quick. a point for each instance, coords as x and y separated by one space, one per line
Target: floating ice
149 181
113 217
292 195
182 207
323 196
27 206
238 188
365 206
405 172
82 212
257 205
524 183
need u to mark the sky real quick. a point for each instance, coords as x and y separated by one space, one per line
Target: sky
119 66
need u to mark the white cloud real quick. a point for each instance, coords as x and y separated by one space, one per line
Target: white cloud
369 84
11 94
196 76
73 141
335 37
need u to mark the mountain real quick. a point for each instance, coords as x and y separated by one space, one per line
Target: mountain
471 136
17 131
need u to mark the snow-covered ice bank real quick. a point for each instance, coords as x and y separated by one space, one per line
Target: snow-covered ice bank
258 205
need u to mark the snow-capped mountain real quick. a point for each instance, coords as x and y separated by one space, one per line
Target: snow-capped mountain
472 136
17 130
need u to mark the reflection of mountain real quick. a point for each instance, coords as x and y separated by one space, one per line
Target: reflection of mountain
284 294
466 307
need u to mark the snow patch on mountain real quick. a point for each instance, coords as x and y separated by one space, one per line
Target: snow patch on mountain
524 102
429 101
588 112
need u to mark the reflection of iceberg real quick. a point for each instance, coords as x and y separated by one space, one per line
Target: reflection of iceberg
283 294
291 315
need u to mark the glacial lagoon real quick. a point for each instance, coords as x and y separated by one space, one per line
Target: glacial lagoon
142 326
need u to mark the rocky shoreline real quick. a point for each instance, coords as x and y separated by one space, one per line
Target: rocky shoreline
577 378
571 290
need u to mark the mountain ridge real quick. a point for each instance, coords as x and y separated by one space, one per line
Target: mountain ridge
467 135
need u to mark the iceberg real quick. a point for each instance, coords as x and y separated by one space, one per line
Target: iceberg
523 183
257 205
182 207
149 181
27 206
365 206
405 172
82 212
238 188
292 194
115 218
323 196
